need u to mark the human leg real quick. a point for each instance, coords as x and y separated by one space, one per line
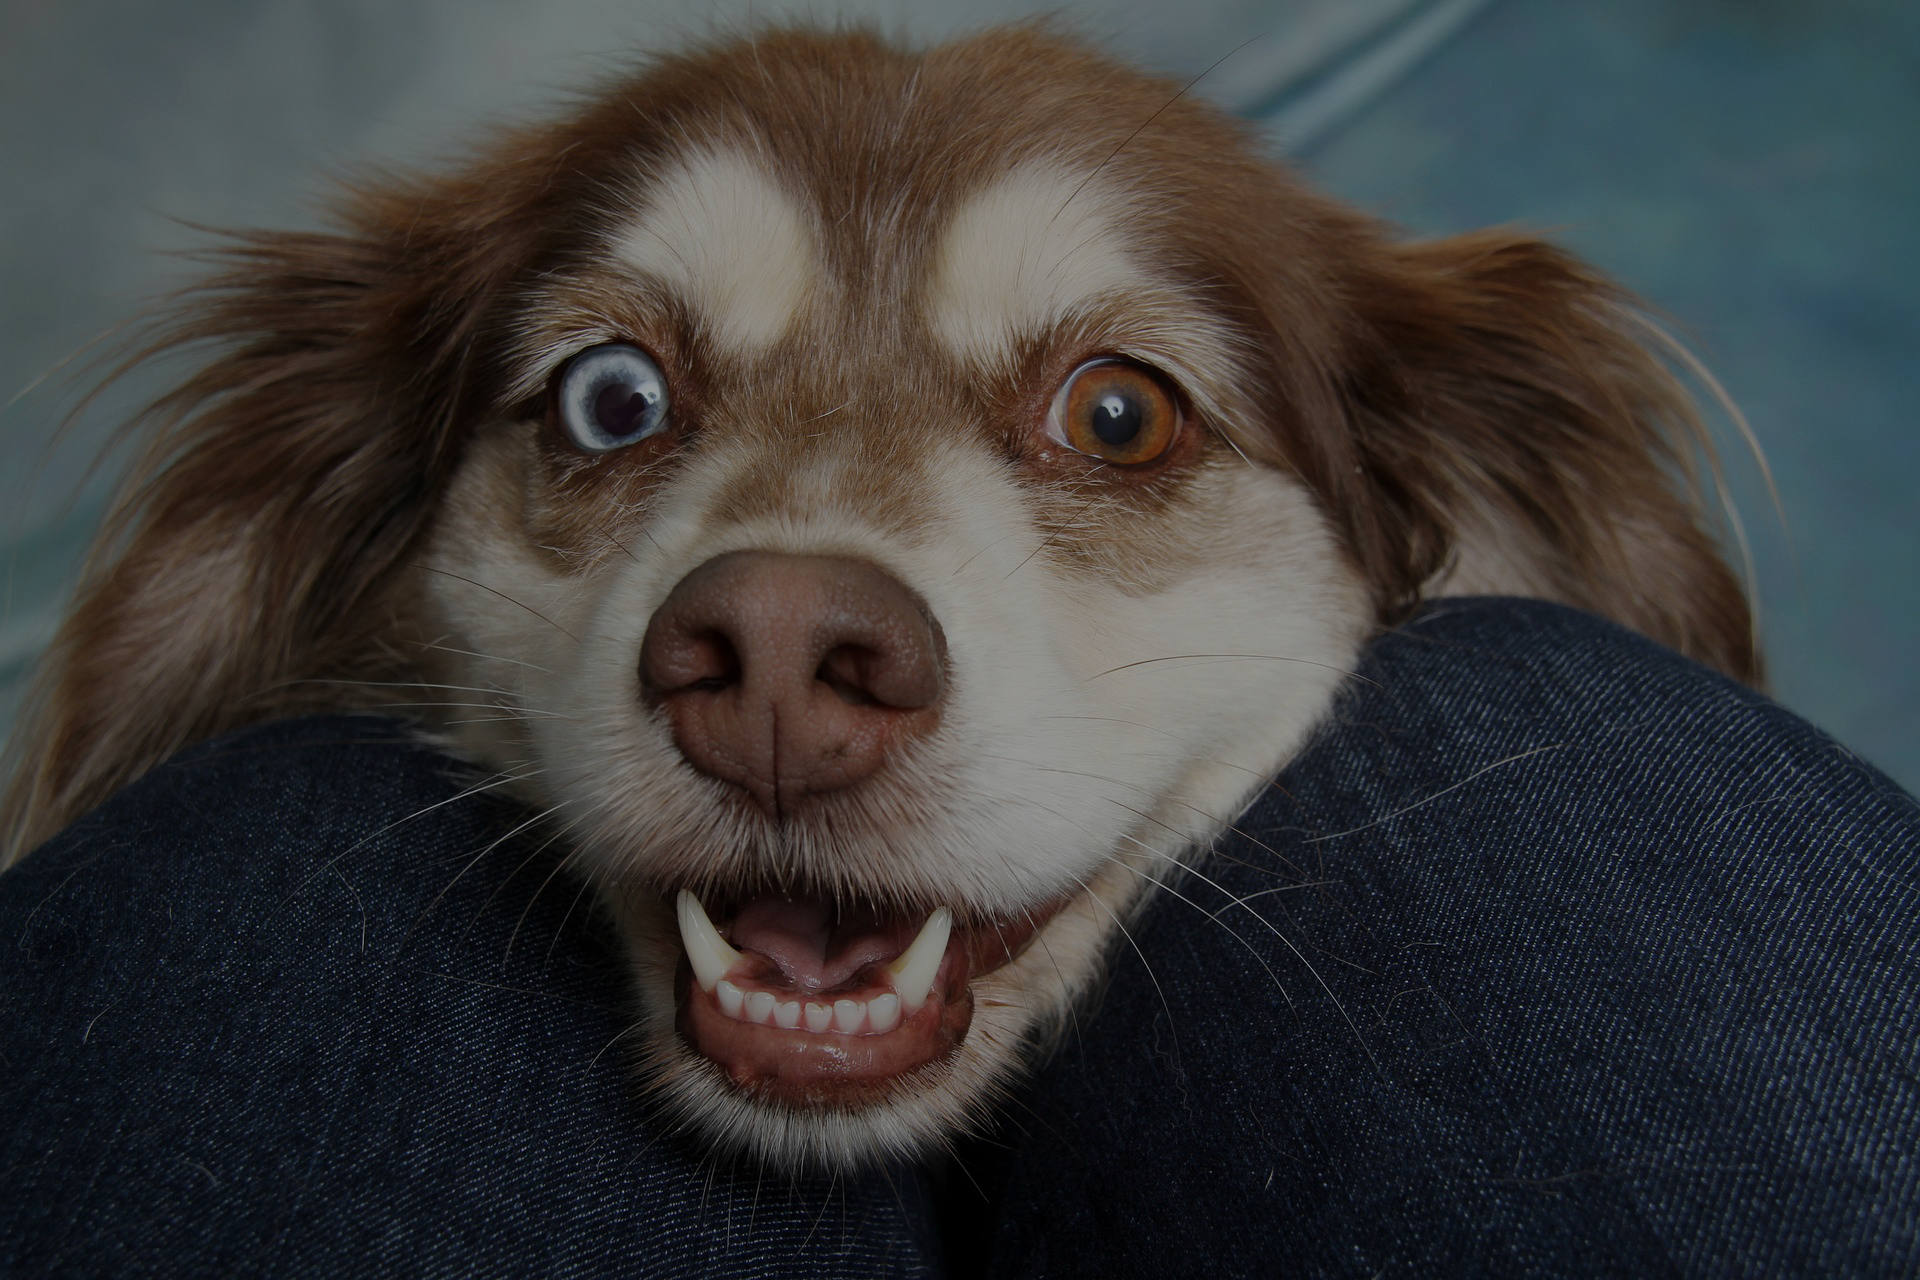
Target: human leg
306 1001
1553 954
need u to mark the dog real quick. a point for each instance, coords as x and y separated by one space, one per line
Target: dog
893 507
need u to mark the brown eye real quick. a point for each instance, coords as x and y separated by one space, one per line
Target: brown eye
1117 411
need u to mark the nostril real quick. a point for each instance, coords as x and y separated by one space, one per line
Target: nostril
684 659
712 653
848 671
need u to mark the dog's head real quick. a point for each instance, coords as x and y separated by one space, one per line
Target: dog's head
890 506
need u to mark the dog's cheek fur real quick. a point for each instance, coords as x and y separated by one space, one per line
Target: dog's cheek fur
499 615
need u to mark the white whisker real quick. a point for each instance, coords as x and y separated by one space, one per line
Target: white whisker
1427 800
488 657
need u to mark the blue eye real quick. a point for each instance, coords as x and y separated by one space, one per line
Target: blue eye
611 396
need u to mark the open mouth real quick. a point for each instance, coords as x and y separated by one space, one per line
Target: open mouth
819 1003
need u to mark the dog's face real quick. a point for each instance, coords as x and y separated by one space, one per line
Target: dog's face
898 504
874 544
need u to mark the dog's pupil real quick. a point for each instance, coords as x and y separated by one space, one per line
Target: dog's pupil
621 410
1116 418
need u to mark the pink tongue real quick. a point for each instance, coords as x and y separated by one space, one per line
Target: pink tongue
815 946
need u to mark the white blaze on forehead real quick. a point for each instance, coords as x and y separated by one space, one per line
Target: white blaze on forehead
1023 254
720 231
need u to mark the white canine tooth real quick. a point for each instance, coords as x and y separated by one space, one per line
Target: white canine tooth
787 1014
913 972
883 1012
848 1015
760 1006
707 951
731 998
819 1016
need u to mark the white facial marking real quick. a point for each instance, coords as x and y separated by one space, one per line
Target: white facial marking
1024 253
719 231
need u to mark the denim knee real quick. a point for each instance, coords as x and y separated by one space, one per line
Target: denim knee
1552 951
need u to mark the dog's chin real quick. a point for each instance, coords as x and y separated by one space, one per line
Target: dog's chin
856 1065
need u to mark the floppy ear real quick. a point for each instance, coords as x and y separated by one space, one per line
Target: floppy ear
282 485
1510 428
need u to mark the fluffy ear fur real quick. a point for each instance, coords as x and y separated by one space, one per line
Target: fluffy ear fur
249 555
245 556
1510 428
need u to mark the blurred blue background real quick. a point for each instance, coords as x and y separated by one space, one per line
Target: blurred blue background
1745 165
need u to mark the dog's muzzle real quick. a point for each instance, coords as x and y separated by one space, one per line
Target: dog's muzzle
791 677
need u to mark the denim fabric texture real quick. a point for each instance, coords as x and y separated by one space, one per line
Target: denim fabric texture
1553 954
257 1019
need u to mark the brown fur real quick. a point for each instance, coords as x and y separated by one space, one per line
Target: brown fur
1415 388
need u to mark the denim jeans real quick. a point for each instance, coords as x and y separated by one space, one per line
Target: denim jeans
1553 953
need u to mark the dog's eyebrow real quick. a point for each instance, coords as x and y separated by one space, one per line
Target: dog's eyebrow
1022 254
717 229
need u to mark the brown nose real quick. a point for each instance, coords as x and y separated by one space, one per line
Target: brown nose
792 675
